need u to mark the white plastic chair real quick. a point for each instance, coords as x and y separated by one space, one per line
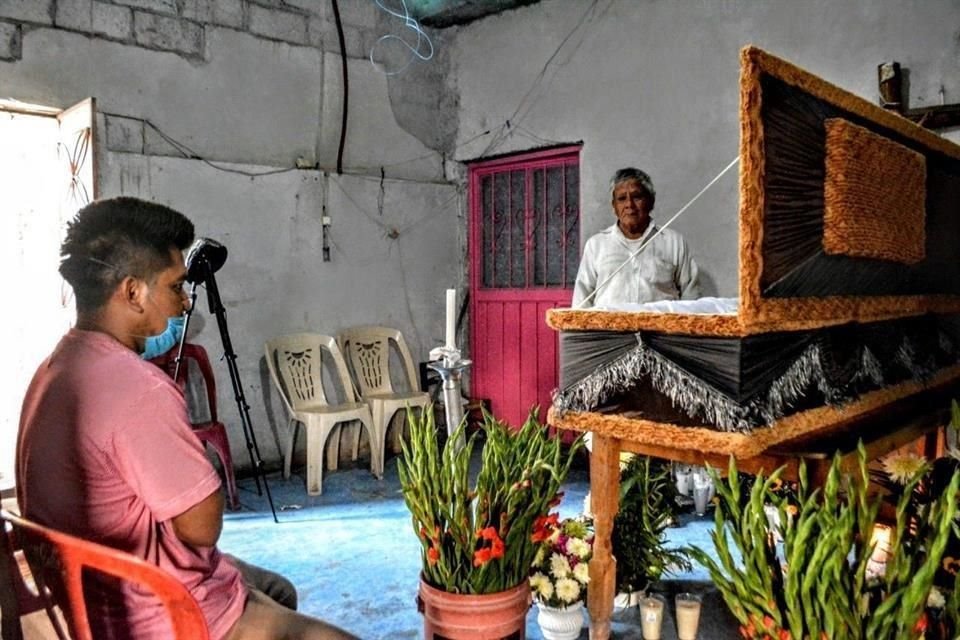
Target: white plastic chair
368 352
295 364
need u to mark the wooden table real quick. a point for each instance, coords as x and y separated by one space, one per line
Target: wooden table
882 431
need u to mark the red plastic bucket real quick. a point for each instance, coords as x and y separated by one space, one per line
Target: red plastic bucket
492 616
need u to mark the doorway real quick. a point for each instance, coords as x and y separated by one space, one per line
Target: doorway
524 251
46 175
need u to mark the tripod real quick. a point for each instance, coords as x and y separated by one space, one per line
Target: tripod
201 270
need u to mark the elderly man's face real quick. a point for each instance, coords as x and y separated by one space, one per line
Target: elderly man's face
631 204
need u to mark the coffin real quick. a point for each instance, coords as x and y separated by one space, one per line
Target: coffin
849 286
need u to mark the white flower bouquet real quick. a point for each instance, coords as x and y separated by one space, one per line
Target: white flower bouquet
560 572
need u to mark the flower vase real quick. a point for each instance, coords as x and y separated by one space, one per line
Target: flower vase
560 624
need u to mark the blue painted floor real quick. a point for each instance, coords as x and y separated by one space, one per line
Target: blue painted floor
355 560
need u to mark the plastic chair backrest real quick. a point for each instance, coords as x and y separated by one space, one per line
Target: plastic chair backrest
195 352
18 597
296 366
368 349
62 579
198 354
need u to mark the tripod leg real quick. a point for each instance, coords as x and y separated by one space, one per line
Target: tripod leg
216 307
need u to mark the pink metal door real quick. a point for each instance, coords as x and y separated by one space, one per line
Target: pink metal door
524 253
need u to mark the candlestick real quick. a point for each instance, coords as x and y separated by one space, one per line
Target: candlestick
451 341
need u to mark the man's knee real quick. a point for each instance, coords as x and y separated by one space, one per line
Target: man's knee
275 586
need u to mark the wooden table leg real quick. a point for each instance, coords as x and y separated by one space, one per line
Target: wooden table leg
604 503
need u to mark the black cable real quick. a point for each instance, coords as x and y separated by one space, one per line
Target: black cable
346 85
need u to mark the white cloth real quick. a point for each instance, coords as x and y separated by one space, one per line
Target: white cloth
664 270
700 306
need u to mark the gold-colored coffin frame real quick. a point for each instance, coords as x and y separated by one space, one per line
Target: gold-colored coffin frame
757 314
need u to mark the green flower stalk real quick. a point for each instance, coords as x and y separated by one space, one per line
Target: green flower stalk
815 585
476 539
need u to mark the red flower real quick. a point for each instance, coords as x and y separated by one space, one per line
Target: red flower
544 526
485 553
481 557
433 555
921 625
497 548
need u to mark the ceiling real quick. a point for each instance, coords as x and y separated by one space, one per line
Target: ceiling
440 14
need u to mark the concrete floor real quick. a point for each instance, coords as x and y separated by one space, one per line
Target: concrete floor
355 560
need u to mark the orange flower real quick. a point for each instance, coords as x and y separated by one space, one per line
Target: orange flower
785 635
481 557
485 554
497 548
921 625
433 555
543 527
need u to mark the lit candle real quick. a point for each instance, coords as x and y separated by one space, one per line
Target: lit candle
881 542
451 342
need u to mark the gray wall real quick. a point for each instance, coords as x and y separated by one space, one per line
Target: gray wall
252 87
654 84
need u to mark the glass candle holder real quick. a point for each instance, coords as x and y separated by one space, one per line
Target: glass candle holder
688 616
651 617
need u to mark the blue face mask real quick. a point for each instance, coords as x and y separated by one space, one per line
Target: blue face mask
159 345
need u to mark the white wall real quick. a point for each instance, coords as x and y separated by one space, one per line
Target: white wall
256 84
252 87
654 84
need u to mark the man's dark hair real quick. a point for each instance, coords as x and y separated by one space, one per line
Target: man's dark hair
115 238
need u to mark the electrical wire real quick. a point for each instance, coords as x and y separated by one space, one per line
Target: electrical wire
412 24
499 138
346 85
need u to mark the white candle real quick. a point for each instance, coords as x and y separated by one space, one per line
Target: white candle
688 616
651 618
451 319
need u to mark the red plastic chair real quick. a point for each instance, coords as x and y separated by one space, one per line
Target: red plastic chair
212 432
60 582
17 596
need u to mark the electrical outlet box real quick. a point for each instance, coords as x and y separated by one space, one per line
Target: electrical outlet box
325 221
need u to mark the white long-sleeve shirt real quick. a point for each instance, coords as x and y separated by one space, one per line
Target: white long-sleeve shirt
664 270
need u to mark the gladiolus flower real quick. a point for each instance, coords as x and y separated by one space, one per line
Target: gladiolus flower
433 555
481 557
921 625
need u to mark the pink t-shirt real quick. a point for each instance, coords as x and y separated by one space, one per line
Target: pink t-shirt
105 452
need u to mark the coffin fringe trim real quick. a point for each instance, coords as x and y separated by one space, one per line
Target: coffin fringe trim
697 398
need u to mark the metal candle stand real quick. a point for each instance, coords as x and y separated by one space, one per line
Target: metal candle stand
451 368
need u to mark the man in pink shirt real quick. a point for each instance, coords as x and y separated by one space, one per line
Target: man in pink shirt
105 450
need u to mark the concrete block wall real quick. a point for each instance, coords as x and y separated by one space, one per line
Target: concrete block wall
654 84
210 106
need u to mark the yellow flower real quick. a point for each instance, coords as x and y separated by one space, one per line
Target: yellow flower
582 573
903 467
568 590
578 547
559 566
541 586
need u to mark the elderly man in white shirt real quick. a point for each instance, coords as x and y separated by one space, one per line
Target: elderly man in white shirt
664 270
